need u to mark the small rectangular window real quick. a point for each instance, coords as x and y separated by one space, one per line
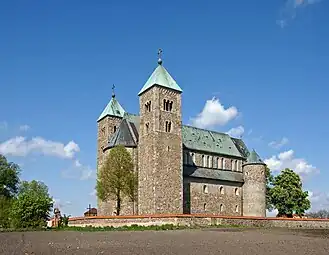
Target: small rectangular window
168 126
114 129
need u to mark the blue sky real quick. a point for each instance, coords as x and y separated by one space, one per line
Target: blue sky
252 68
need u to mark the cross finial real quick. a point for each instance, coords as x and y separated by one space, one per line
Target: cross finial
160 55
113 87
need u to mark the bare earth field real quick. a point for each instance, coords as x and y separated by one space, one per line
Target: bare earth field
205 241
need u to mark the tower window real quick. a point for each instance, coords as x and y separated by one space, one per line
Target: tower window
168 126
205 206
221 207
233 164
221 190
147 126
148 106
236 208
114 129
167 105
205 189
236 191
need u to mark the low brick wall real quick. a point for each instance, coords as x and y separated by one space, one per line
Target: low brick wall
198 220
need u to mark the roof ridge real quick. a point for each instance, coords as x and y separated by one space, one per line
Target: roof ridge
208 130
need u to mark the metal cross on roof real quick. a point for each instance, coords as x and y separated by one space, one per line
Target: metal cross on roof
113 87
160 55
89 208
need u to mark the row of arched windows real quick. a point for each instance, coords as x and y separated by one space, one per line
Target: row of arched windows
221 190
212 162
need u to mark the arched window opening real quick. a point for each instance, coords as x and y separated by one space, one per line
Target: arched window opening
205 189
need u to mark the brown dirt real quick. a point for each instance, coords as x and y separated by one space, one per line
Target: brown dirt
206 241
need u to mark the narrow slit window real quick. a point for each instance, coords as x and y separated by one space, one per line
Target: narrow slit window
205 189
147 126
168 126
114 129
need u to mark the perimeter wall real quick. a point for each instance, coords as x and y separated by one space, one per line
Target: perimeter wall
198 220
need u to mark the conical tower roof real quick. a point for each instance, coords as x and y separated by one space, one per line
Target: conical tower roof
160 77
113 108
254 158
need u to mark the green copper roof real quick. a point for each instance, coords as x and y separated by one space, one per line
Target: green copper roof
160 77
113 108
214 174
254 158
209 141
201 139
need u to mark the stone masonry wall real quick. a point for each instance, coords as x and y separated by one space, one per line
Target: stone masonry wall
199 220
105 128
160 154
212 197
254 190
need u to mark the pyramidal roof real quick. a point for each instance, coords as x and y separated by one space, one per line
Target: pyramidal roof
160 77
113 108
254 158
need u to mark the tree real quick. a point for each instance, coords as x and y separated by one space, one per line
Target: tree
287 195
32 206
9 182
9 178
131 188
269 180
321 214
114 180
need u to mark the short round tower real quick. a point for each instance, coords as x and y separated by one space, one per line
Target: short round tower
254 188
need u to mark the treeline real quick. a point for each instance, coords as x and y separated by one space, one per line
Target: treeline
23 204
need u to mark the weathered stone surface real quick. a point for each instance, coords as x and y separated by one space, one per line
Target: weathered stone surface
160 186
254 190
201 220
212 197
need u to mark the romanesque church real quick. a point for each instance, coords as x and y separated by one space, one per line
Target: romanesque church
181 168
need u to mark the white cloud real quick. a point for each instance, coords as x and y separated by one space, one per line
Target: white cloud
24 127
272 213
319 200
59 204
291 8
79 171
214 114
287 160
279 144
236 132
20 146
93 193
3 125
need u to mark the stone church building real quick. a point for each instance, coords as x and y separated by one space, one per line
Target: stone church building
181 168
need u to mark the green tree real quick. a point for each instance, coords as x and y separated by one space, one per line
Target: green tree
32 206
9 182
131 188
9 178
115 177
269 180
5 208
287 195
